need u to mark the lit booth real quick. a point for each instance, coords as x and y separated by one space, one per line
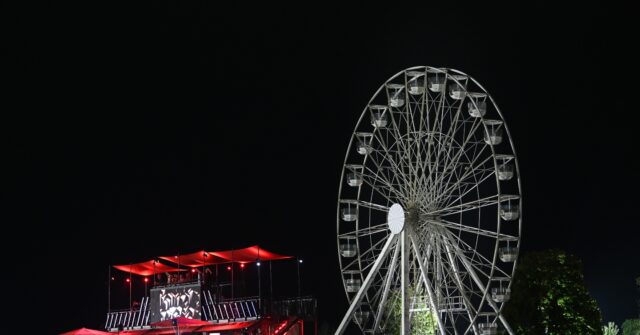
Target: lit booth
208 292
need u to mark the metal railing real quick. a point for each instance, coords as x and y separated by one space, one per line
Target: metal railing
231 310
129 319
226 311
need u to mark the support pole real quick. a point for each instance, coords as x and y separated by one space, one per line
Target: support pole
130 283
387 285
405 326
109 290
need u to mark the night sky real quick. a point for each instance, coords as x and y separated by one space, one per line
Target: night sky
137 132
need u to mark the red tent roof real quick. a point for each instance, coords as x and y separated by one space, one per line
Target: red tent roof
85 331
250 254
181 321
191 328
147 268
201 258
196 259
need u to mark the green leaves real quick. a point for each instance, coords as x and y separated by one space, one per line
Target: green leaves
610 329
631 327
549 297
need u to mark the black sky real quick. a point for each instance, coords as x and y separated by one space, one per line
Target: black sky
127 126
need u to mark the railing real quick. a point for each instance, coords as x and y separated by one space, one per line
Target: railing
304 307
230 311
129 319
227 311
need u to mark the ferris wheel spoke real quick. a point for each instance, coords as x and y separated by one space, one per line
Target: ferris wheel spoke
376 181
399 139
369 254
472 172
380 228
469 173
472 230
467 206
479 260
367 204
455 160
466 187
445 150
387 157
372 230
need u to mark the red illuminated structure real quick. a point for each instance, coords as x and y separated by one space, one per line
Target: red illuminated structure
193 294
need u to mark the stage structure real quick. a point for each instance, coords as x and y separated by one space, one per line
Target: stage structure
210 292
429 208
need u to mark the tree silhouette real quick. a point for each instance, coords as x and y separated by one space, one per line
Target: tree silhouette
549 297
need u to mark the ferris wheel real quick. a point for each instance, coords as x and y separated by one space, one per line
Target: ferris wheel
429 208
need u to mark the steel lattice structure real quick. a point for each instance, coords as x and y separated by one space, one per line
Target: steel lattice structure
429 207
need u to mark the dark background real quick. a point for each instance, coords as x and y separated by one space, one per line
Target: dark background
125 126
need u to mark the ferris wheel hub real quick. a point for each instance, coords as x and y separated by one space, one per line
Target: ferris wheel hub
396 218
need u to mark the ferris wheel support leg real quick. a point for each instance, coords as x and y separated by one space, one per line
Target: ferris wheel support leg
385 292
365 285
405 326
427 284
481 286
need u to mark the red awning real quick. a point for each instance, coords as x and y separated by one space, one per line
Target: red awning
147 268
250 254
85 331
200 258
191 329
181 321
196 259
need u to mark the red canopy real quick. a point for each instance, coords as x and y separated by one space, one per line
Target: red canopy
250 254
147 268
191 328
196 259
200 258
181 321
85 331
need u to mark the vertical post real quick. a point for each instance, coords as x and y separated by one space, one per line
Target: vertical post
109 290
270 291
217 284
405 326
298 261
232 270
270 281
259 283
130 283
259 286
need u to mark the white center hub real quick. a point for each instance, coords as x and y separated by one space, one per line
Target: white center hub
395 218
